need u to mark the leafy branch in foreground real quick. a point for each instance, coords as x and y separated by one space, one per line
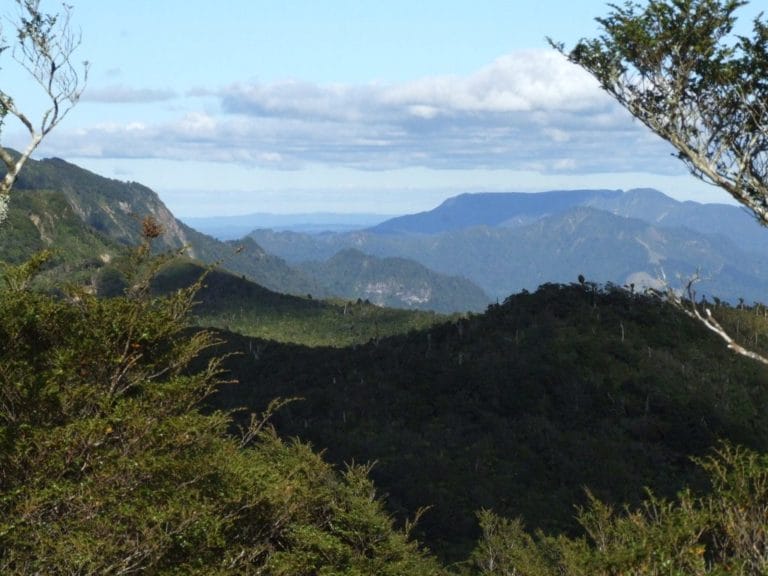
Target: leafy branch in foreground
678 67
109 465
723 533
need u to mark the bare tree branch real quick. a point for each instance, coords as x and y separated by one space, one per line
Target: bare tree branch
703 314
45 44
677 67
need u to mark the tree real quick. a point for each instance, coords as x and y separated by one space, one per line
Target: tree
678 67
722 533
109 464
45 44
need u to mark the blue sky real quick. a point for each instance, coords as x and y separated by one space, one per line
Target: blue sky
350 106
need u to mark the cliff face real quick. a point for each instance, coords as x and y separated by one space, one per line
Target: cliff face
110 207
89 220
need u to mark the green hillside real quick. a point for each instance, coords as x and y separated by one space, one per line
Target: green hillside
233 303
519 409
118 431
46 220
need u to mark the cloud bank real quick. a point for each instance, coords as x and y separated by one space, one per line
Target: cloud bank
119 94
530 110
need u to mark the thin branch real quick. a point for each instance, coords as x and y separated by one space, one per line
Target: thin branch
45 48
691 309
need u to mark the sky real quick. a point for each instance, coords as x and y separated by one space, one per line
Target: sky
295 106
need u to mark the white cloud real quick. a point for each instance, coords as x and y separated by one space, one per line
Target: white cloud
197 125
530 110
520 82
119 94
566 164
526 81
557 135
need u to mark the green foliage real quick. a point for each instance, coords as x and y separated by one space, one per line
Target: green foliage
721 533
233 303
520 408
738 509
506 549
678 68
109 466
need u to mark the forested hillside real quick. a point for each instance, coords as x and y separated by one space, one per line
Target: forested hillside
521 408
171 404
230 302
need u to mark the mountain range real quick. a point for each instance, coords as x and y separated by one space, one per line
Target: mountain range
90 220
235 227
516 409
508 242
467 252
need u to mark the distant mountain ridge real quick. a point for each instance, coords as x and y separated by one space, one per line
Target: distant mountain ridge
91 220
507 242
489 209
649 205
235 227
395 282
519 208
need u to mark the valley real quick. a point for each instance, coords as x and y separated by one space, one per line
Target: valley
515 406
441 303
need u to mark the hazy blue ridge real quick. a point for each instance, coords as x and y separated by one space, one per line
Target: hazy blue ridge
732 222
235 227
489 209
634 237
395 282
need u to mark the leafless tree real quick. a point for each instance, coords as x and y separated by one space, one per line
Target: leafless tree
701 311
44 46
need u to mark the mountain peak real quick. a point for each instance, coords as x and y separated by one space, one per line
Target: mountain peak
491 209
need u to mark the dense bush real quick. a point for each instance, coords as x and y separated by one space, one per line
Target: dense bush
724 532
109 466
